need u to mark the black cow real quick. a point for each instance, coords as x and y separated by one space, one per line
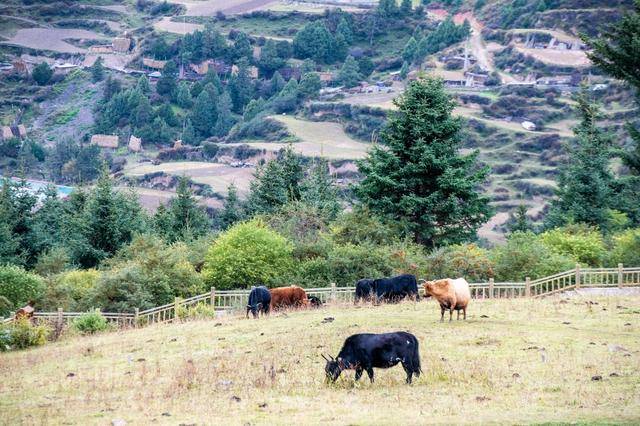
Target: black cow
362 352
396 288
363 290
315 301
259 301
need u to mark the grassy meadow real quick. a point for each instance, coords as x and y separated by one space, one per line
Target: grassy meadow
512 361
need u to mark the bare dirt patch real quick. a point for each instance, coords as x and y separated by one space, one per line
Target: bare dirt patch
218 176
230 7
323 139
569 58
52 39
152 198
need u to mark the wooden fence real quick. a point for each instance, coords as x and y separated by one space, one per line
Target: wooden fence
230 300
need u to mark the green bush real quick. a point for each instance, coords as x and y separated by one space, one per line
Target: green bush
583 244
19 286
524 255
625 247
464 260
361 226
249 253
71 290
348 263
198 311
144 274
22 334
90 323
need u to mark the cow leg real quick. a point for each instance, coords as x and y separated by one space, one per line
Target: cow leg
450 314
464 311
441 313
458 317
358 373
370 373
408 368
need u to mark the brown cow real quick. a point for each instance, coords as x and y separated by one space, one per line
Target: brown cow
285 297
450 294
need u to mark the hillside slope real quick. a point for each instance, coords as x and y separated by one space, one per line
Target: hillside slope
512 361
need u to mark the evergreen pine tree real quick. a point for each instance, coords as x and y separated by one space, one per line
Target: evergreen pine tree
310 85
410 50
319 190
349 74
183 95
268 191
419 179
617 52
188 220
97 70
167 83
276 83
584 185
232 211
292 173
103 233
225 118
519 220
143 85
345 29
204 114
241 87
404 70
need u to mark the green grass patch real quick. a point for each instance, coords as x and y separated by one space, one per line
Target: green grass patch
65 116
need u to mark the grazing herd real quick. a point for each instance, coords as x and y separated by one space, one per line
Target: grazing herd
362 352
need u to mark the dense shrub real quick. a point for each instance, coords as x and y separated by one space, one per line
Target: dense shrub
19 286
90 323
247 254
346 264
360 225
524 255
145 274
626 248
22 334
464 260
198 311
583 244
71 290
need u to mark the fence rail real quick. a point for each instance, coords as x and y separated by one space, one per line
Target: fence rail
225 300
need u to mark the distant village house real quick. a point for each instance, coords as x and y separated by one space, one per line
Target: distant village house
135 144
105 141
121 44
8 132
153 63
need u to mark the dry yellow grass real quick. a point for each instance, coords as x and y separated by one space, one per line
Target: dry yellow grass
218 176
323 139
512 361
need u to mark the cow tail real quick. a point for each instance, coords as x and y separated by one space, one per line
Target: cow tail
416 358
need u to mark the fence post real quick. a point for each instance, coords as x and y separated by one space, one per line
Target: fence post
136 317
213 297
60 319
577 275
620 283
333 292
527 287
176 305
490 288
